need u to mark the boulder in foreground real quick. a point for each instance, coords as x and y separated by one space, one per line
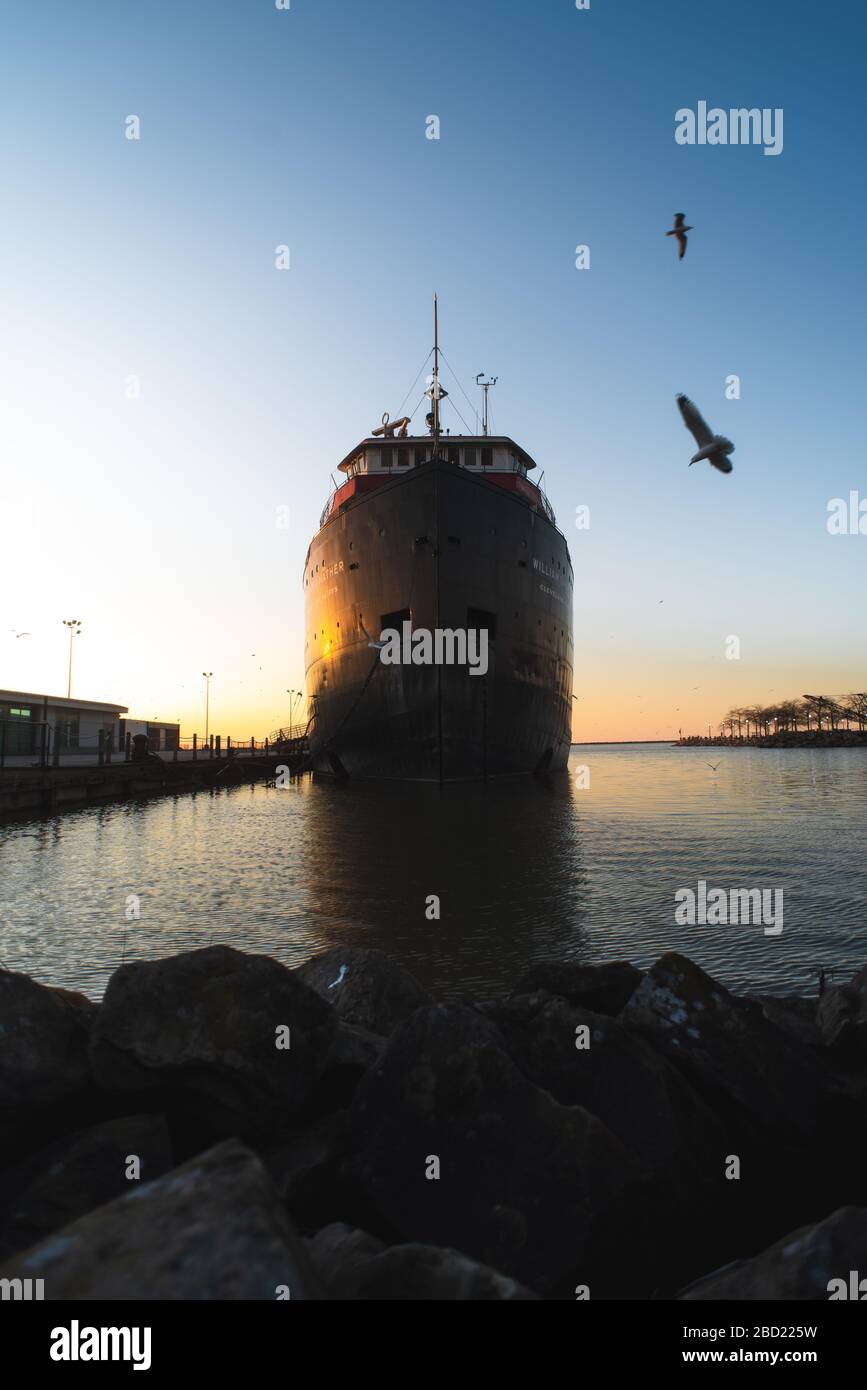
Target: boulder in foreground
354 1265
604 989
800 1267
43 1051
214 1228
639 1095
455 1146
365 987
74 1175
208 1024
740 1063
842 1018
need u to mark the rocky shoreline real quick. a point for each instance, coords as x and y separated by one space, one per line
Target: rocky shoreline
222 1127
786 738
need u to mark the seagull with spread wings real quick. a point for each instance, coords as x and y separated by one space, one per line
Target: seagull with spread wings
679 230
713 447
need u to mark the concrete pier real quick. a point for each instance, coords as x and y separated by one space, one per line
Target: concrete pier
45 791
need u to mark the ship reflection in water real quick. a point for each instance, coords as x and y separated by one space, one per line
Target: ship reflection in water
523 870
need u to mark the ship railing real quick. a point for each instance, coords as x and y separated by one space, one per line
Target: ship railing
546 507
518 467
292 733
328 508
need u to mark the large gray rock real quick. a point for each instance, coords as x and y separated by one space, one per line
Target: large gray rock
212 1229
355 1049
354 1265
793 1014
206 1024
44 1067
74 1175
541 1191
742 1064
43 1042
603 988
641 1097
798 1268
305 1169
365 987
841 1017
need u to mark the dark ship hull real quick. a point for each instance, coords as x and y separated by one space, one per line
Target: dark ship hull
441 548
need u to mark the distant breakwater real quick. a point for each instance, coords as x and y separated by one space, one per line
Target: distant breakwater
222 1127
819 738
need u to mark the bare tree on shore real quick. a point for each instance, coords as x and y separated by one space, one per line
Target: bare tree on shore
812 713
857 703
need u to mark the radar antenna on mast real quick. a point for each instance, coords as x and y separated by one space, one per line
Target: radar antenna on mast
486 386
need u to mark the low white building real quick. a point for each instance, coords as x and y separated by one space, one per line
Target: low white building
35 728
29 722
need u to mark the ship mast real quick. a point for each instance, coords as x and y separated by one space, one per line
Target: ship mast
435 391
436 383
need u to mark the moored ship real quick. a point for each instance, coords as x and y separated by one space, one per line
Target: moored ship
438 533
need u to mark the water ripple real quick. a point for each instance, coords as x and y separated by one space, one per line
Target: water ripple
522 871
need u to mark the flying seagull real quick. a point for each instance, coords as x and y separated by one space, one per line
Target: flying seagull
680 231
712 447
19 634
713 766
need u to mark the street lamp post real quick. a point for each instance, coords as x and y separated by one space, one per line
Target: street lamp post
207 675
74 625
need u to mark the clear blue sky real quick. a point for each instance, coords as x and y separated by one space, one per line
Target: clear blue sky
153 520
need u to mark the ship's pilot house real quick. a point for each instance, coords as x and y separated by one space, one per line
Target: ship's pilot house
496 457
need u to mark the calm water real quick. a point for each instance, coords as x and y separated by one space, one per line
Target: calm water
523 871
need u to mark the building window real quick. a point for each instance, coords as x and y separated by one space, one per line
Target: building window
420 455
469 458
487 457
402 456
386 455
453 455
17 731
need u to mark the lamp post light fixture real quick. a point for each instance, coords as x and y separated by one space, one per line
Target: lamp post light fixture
74 625
207 675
